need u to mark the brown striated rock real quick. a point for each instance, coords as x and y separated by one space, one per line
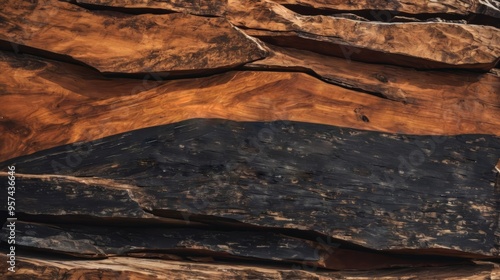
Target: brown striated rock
250 139
43 268
420 45
386 8
395 83
203 7
436 44
117 42
42 107
376 10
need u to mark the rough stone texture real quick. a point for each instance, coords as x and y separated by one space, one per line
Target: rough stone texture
203 7
381 191
392 82
422 45
347 177
200 40
49 268
117 42
65 112
205 245
460 7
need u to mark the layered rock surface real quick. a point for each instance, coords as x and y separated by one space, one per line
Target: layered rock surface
247 139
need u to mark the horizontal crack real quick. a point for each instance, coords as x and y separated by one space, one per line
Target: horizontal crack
23 49
395 16
124 10
318 76
132 10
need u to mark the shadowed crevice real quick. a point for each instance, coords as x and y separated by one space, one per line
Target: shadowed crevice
396 16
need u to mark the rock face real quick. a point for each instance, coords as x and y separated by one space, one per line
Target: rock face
373 42
400 190
392 99
121 43
472 8
285 139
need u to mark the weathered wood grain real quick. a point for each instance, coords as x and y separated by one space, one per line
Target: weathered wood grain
396 83
259 198
49 268
419 45
41 106
99 242
203 7
474 11
103 242
468 8
117 42
381 191
152 44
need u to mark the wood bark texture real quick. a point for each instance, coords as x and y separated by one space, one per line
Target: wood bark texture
250 139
